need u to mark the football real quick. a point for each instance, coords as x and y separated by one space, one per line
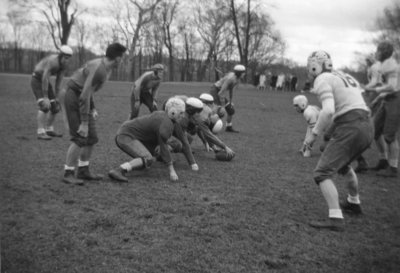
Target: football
223 156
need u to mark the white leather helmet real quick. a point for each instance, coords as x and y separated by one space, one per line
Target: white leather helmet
206 98
216 124
318 62
239 68
301 102
66 50
175 107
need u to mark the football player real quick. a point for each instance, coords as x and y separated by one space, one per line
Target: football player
139 138
310 113
81 113
352 134
46 97
145 90
209 124
226 85
387 118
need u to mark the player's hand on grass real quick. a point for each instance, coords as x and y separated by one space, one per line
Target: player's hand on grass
172 174
195 167
229 151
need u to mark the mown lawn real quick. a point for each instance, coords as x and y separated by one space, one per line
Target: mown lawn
248 215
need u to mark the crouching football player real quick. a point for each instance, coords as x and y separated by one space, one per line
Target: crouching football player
352 134
140 136
45 95
310 113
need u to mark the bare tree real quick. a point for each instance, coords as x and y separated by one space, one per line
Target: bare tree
168 12
389 25
211 18
59 15
131 16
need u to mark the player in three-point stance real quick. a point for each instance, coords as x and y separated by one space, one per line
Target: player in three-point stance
352 133
46 97
140 137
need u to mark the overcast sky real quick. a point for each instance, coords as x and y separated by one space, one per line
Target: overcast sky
340 27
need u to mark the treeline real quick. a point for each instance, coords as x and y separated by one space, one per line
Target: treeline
24 60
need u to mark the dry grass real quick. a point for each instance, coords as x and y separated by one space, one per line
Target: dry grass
248 215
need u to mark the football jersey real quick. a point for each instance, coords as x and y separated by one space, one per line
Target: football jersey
344 90
311 114
226 83
94 71
391 69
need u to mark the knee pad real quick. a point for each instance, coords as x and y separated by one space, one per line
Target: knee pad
43 107
91 141
389 138
147 162
55 107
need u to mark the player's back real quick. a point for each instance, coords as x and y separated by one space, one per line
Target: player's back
346 91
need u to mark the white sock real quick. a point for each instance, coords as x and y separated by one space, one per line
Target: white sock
41 131
83 163
393 163
335 213
353 199
126 166
68 168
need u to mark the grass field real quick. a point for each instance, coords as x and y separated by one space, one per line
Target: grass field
248 215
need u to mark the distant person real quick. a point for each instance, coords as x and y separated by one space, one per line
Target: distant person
222 91
81 113
46 97
387 118
310 113
145 90
352 134
280 82
293 83
263 80
274 79
140 136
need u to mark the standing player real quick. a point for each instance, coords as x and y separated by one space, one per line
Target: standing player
81 113
42 89
226 85
145 90
352 134
387 119
310 113
139 138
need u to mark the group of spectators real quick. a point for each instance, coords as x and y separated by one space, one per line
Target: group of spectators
267 81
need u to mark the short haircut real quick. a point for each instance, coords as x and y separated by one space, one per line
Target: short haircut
115 50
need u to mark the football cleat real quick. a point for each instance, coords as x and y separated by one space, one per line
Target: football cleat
69 178
84 173
334 224
43 136
118 174
350 208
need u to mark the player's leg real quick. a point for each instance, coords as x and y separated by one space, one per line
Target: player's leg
55 108
71 106
135 106
36 86
391 127
379 122
142 158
